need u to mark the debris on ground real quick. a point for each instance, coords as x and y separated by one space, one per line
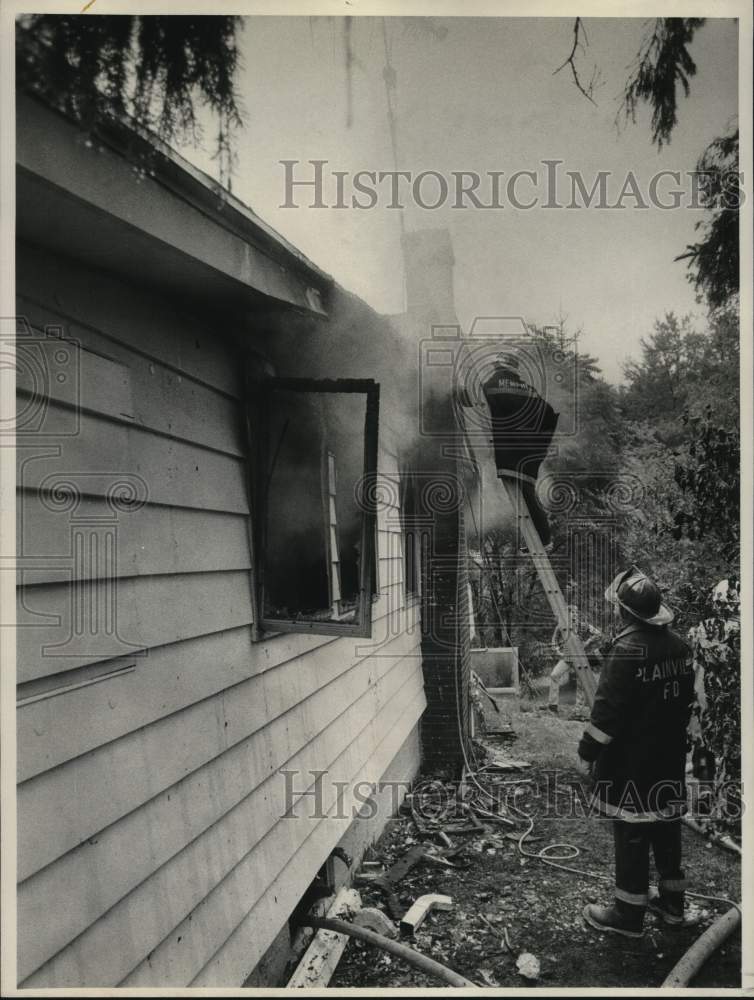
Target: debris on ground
489 979
391 878
321 958
421 909
377 921
506 904
528 966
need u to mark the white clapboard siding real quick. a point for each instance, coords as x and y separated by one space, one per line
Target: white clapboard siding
169 471
66 372
212 921
171 679
236 958
150 801
225 841
105 376
156 328
63 807
212 791
149 611
140 922
174 677
149 540
391 599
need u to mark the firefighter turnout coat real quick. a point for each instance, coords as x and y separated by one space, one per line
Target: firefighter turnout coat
636 735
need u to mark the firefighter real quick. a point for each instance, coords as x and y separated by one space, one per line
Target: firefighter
634 749
561 672
523 424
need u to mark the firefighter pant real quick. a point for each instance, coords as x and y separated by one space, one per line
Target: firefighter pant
558 677
632 845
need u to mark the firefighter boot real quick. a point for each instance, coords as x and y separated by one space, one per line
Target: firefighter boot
620 918
668 906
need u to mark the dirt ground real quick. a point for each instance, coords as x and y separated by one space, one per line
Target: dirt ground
541 906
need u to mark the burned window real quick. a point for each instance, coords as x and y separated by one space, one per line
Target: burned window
316 546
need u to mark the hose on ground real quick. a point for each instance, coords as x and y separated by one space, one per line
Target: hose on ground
555 854
691 962
421 962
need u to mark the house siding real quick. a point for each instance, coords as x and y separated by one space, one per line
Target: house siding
152 845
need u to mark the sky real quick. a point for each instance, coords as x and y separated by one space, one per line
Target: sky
480 94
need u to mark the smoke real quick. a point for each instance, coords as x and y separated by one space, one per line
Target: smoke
429 373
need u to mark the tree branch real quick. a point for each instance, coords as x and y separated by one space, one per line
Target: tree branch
663 61
588 90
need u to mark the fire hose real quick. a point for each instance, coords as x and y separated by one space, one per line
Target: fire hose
421 962
692 961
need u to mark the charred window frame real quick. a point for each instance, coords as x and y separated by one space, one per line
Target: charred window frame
315 524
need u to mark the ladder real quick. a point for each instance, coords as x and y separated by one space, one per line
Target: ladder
572 645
